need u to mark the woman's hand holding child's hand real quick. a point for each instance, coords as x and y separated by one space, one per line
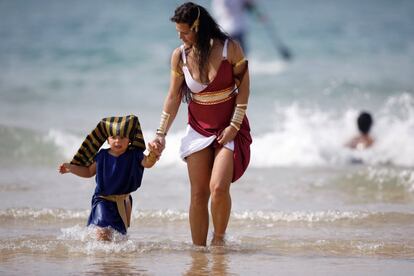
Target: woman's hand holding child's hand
155 148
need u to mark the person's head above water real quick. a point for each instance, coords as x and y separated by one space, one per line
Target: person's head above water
365 122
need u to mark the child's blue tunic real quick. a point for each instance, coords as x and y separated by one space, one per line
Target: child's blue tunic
114 176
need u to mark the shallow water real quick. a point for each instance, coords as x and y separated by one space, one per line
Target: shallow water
323 221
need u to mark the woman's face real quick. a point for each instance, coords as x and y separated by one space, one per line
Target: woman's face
187 36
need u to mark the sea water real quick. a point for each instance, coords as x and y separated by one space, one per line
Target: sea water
303 207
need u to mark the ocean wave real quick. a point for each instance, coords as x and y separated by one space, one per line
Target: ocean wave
26 146
72 244
45 214
307 137
339 247
259 66
392 183
172 216
301 137
324 217
312 137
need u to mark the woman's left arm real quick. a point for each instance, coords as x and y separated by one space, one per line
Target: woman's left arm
241 73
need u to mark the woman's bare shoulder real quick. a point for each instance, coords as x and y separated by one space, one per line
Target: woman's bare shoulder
235 51
176 56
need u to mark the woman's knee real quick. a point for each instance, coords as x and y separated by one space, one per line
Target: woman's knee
200 197
219 191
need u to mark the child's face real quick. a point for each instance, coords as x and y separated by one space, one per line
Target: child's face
118 144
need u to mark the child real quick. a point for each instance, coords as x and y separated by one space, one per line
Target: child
118 171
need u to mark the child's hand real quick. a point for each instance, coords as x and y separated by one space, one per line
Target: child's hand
152 157
64 168
155 148
159 142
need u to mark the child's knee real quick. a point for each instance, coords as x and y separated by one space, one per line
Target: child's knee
103 234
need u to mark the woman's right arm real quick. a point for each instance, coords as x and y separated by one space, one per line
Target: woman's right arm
172 100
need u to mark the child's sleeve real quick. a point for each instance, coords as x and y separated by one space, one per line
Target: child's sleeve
139 157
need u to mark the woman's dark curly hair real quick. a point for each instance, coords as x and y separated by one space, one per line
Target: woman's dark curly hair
207 29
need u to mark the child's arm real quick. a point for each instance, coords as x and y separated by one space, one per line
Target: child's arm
149 160
78 170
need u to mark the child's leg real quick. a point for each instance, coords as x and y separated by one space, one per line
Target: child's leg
103 234
128 209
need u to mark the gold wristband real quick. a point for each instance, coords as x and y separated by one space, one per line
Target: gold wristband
235 126
162 129
152 158
238 115
160 132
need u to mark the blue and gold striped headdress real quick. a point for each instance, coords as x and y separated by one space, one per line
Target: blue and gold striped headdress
126 126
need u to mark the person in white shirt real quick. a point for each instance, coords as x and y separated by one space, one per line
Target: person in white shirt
231 15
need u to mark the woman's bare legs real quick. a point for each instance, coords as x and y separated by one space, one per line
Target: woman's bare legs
199 166
221 177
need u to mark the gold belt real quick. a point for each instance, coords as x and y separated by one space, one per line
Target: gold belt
123 203
213 97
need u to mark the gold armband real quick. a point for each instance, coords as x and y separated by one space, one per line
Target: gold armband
162 129
240 62
176 73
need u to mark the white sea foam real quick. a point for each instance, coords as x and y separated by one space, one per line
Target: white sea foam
68 143
298 216
306 137
177 216
303 136
42 214
315 137
259 66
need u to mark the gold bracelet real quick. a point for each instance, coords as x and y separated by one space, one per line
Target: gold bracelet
238 115
152 158
160 132
162 129
235 126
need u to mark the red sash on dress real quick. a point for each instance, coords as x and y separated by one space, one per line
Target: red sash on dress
212 119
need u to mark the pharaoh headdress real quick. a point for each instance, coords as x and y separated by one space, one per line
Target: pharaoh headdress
126 126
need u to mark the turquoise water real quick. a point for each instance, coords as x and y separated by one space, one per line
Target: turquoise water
301 206
63 71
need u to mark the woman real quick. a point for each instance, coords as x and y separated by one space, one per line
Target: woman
208 72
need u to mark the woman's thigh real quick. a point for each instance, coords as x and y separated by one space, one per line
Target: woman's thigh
200 165
222 172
